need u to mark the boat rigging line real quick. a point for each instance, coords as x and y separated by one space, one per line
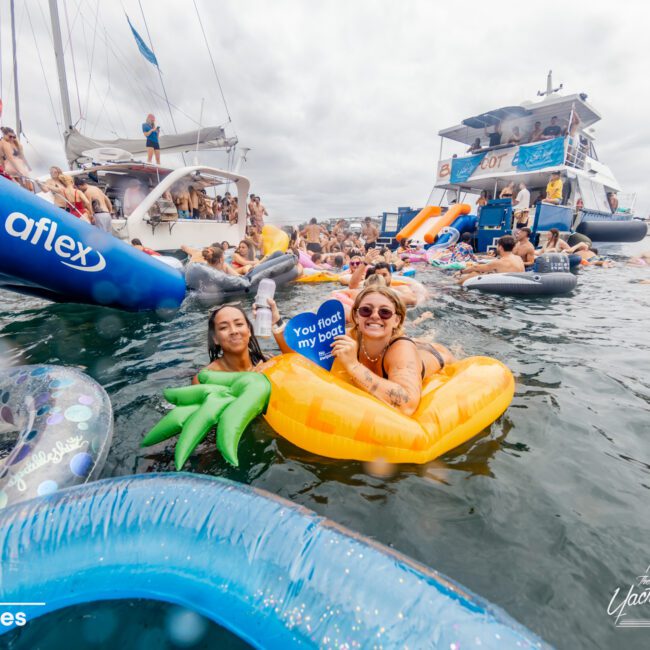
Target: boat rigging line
74 65
214 67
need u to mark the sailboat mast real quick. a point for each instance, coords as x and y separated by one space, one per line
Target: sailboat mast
19 128
60 64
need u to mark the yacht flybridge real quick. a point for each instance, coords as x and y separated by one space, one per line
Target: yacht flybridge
498 150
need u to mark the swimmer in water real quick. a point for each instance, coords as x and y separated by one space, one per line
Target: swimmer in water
377 357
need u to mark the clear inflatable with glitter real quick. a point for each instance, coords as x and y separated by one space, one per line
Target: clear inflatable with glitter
56 426
272 572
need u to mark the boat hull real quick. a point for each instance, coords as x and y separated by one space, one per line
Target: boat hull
631 230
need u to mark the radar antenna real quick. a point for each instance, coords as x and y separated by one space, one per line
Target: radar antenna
549 86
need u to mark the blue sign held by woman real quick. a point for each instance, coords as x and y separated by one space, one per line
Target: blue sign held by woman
312 335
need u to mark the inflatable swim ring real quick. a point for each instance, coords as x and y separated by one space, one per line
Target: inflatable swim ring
326 415
64 421
272 572
304 259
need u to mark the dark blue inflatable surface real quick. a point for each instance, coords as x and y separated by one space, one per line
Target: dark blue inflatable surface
48 252
274 573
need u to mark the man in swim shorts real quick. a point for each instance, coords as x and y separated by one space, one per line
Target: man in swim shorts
370 234
312 234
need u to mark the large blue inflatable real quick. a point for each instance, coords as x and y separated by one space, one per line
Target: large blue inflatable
274 573
47 252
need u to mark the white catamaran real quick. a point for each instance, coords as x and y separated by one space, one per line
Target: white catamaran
117 168
525 144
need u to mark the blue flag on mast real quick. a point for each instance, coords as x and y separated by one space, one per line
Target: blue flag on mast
142 46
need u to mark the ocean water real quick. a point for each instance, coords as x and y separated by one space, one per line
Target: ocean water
546 513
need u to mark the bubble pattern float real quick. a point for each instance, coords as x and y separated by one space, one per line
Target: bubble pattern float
64 422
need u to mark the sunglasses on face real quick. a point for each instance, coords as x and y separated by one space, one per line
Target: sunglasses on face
353 264
383 312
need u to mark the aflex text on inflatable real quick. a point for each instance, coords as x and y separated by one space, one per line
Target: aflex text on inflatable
50 253
272 572
312 335
64 425
228 400
325 414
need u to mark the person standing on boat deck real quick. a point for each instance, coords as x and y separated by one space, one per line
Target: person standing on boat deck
183 203
102 219
194 202
475 146
515 136
151 133
250 209
523 247
93 193
259 212
494 137
522 206
612 199
56 187
14 162
536 133
370 234
507 191
554 130
554 189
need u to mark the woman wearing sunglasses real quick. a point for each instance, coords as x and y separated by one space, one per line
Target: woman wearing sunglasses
378 357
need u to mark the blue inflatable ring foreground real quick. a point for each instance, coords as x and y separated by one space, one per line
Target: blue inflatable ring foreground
272 572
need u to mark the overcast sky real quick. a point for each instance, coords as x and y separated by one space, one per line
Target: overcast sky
341 101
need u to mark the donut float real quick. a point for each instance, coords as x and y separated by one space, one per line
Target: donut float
64 422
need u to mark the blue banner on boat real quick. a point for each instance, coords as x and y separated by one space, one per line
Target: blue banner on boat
463 168
312 335
540 155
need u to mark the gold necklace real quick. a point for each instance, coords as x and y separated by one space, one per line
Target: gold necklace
381 354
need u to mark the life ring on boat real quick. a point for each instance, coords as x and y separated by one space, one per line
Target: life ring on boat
324 414
274 240
184 539
64 421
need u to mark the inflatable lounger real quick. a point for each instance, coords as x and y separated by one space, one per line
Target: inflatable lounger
272 572
49 253
524 284
210 286
64 421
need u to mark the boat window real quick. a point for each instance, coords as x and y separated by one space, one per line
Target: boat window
593 195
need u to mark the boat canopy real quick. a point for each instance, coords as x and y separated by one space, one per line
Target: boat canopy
212 137
524 116
494 117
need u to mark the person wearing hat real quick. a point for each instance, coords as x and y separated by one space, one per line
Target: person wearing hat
554 189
